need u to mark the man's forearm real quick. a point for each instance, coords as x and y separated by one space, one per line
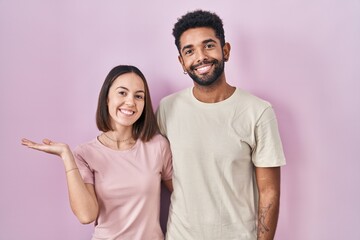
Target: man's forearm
268 217
268 182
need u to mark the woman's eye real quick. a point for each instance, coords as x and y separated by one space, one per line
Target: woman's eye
122 93
139 96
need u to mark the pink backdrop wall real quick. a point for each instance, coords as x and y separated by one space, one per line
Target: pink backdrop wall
301 55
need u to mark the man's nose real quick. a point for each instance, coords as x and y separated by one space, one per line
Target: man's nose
201 55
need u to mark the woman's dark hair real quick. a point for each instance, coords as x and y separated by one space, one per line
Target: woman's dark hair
146 126
195 19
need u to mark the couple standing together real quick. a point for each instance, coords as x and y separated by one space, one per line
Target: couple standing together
214 146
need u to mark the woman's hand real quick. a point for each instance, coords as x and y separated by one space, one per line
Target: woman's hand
82 196
48 146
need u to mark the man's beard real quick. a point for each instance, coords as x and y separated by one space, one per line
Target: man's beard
207 80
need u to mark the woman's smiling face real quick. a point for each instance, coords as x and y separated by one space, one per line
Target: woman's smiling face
126 100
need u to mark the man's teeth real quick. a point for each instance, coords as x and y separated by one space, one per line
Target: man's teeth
203 69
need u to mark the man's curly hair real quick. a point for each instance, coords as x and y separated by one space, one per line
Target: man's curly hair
195 19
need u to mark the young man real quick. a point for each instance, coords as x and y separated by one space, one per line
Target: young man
225 144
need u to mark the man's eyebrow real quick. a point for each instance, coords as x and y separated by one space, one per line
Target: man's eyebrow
209 40
187 46
204 42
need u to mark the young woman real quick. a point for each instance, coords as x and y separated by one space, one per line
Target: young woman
115 179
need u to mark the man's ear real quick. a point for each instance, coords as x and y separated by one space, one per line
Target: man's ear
181 62
226 51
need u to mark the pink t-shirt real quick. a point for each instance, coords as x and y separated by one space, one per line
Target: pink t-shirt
127 185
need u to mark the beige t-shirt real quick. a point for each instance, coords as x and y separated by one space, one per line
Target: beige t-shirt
215 147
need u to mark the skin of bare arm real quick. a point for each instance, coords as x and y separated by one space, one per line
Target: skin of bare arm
82 196
268 182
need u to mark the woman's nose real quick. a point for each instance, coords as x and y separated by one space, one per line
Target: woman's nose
130 101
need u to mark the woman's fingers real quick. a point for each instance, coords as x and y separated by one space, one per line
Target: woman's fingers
27 142
45 147
47 141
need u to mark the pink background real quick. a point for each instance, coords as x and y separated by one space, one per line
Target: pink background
301 55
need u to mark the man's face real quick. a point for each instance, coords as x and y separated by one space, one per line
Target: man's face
201 55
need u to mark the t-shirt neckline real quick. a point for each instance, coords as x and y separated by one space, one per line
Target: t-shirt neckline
223 102
114 150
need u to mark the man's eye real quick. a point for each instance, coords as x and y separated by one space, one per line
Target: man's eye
188 52
209 45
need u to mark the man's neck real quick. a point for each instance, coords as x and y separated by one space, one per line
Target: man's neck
214 93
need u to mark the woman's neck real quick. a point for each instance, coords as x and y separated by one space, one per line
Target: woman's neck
118 140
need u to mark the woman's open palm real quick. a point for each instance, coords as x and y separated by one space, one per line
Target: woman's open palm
47 146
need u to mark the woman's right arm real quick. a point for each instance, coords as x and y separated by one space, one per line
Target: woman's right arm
82 196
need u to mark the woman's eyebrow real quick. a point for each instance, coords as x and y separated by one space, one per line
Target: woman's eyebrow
125 88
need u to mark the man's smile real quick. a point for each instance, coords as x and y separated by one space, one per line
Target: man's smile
203 69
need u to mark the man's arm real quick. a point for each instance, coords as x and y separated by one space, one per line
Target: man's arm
268 182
